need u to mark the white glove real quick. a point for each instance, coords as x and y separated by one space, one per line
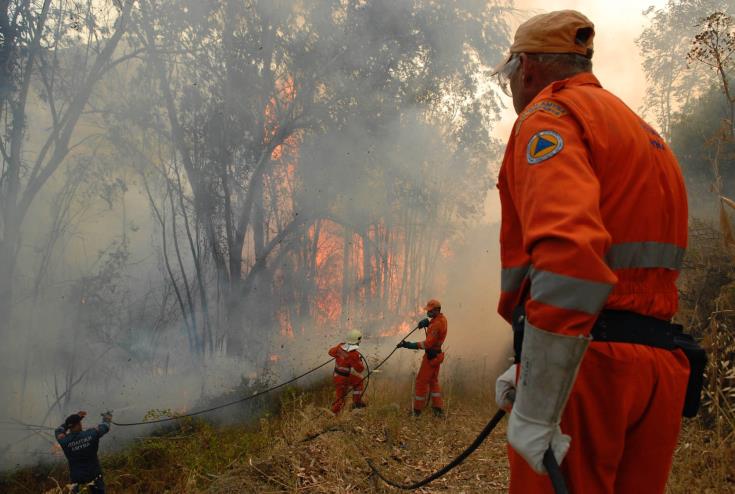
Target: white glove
505 388
531 440
549 365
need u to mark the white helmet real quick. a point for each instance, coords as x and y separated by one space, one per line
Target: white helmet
353 337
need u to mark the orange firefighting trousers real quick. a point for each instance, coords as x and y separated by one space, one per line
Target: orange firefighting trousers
344 384
624 416
428 380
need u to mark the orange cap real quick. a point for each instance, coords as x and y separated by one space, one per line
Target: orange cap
555 32
432 304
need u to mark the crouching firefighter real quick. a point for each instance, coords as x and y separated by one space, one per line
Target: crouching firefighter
80 448
594 229
348 368
427 380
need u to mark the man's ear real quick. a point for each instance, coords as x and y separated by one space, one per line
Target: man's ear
526 69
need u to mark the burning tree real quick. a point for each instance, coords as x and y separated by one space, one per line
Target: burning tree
319 154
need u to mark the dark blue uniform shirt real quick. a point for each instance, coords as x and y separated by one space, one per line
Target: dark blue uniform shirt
80 449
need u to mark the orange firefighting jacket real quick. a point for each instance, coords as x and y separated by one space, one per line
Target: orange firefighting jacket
344 360
594 211
436 333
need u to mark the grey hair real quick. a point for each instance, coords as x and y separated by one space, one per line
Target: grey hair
565 63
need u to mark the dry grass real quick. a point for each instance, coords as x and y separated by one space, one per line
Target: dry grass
317 453
702 464
408 449
302 448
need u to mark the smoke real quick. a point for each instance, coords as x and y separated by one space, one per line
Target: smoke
247 183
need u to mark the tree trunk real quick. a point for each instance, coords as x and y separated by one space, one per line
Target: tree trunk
366 268
16 200
346 274
8 260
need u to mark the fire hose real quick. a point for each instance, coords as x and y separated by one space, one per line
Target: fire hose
241 400
555 475
255 395
367 367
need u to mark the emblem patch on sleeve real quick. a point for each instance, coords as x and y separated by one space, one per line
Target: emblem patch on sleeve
543 145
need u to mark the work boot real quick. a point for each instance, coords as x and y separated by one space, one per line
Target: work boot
416 413
438 412
359 404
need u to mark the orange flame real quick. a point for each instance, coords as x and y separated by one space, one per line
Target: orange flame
396 330
350 267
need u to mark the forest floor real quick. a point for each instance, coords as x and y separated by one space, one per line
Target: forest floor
300 447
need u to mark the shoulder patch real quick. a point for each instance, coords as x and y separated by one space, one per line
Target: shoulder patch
543 145
547 106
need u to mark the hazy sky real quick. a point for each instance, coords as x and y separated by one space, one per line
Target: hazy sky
617 62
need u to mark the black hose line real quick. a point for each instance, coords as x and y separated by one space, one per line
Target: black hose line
367 381
555 475
557 479
259 393
394 350
367 376
459 459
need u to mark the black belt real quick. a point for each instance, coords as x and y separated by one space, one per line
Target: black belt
432 353
628 327
616 326
342 373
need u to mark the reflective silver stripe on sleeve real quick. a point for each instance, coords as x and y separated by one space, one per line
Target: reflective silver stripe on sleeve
511 279
344 369
357 392
645 255
567 292
435 395
420 398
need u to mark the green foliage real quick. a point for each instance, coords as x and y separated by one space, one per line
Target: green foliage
698 138
703 132
664 46
200 452
103 295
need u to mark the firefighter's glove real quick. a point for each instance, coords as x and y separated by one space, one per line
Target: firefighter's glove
505 388
107 417
549 366
408 344
424 323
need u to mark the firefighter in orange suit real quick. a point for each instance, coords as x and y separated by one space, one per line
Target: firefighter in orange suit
427 379
348 368
594 228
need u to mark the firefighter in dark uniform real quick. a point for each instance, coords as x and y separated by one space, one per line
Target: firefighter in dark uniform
80 448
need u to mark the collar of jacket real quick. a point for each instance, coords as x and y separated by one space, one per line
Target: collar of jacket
580 79
348 348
